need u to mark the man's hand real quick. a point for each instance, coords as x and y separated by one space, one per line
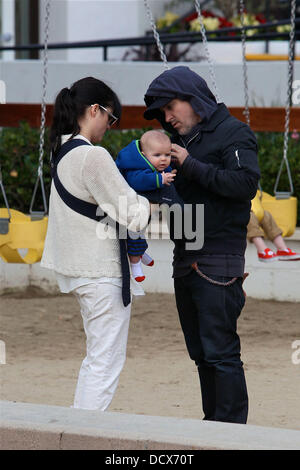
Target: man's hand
178 154
168 178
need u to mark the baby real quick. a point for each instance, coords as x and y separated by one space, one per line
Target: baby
145 165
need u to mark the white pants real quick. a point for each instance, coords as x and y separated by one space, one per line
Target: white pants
106 323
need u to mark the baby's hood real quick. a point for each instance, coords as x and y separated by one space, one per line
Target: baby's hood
130 158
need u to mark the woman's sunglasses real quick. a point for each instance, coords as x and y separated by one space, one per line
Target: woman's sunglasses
111 118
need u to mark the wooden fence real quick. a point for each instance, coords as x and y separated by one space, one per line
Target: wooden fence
262 119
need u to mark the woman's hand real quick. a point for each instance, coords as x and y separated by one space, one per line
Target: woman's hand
178 154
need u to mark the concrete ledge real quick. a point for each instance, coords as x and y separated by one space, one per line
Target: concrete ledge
295 237
269 281
42 427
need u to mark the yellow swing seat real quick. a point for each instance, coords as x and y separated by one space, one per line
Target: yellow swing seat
284 211
23 233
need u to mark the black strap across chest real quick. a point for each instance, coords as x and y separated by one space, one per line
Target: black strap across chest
85 208
89 210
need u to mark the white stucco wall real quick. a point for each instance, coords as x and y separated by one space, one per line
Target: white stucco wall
267 81
84 20
277 281
7 27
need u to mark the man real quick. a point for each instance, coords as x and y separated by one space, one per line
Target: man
216 160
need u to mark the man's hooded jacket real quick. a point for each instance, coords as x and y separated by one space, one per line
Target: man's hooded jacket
221 171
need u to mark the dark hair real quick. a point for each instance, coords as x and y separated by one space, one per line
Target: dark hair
70 105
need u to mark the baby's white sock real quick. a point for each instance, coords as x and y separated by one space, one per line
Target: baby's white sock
137 272
147 260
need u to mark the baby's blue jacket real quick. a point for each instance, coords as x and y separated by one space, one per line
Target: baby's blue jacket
139 173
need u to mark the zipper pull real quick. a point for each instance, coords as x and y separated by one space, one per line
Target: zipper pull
238 158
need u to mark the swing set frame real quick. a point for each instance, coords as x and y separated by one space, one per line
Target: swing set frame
19 231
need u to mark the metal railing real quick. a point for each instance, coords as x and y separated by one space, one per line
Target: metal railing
222 35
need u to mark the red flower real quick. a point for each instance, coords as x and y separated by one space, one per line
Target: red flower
224 23
208 14
260 17
191 17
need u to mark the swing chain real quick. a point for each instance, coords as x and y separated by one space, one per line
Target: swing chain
43 117
4 197
208 56
280 194
204 39
245 70
45 77
156 35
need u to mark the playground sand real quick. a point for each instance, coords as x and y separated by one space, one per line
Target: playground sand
45 344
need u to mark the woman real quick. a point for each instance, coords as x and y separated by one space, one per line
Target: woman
85 256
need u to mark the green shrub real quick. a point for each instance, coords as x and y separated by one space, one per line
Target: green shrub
19 154
270 154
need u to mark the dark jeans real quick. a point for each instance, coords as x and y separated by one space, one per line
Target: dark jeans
208 315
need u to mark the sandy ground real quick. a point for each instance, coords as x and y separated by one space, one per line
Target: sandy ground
45 345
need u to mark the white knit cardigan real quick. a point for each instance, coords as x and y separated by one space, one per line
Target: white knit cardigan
76 245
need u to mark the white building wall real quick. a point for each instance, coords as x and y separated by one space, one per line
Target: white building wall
8 27
84 20
58 27
267 81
